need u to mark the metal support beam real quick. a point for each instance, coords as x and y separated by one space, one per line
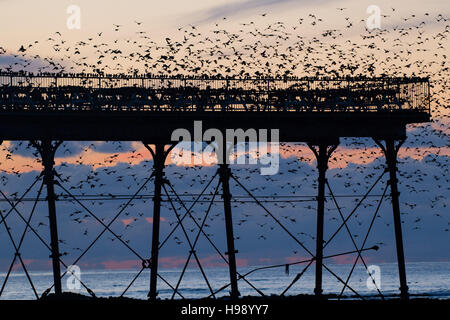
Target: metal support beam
322 153
224 173
391 151
159 158
47 151
224 176
322 165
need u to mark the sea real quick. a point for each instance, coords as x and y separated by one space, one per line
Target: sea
425 279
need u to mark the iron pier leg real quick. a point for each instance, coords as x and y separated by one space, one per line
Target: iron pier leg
322 165
322 153
224 172
158 165
47 151
391 160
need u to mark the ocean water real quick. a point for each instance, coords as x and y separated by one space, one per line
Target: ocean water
425 279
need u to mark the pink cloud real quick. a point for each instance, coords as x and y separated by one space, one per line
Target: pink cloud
293 259
127 221
18 265
118 265
216 261
150 220
345 259
242 262
172 262
212 261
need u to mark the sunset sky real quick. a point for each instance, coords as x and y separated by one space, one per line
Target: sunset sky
122 167
26 20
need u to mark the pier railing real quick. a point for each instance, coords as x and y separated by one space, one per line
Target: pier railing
87 92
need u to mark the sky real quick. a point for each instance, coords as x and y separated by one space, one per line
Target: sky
120 168
24 20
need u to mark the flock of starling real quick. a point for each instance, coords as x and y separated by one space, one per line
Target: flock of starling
252 49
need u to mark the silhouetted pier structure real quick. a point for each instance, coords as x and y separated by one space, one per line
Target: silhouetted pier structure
47 109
